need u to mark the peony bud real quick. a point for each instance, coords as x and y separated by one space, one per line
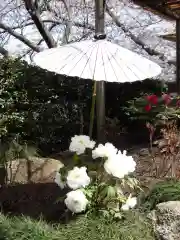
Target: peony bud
153 99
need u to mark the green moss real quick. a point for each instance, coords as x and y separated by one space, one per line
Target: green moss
134 227
162 192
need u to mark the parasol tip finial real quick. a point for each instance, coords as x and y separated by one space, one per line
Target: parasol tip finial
100 36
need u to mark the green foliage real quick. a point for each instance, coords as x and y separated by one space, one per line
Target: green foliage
12 95
133 227
38 106
135 109
162 192
134 106
157 113
14 150
46 109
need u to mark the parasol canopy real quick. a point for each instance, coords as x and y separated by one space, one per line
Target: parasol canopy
98 60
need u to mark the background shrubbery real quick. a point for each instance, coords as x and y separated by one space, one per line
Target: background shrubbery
46 109
40 107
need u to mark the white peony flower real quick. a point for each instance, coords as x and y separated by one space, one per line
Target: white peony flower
130 203
128 161
77 178
114 167
80 143
58 181
76 201
125 207
102 151
119 165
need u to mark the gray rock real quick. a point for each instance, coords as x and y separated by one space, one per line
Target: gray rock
42 170
166 220
144 152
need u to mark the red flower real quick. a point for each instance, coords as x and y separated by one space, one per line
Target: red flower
166 98
148 107
153 99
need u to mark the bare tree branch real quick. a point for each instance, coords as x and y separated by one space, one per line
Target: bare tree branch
32 9
49 16
68 23
56 23
137 40
4 52
19 37
82 25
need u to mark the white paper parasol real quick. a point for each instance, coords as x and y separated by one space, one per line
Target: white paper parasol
99 60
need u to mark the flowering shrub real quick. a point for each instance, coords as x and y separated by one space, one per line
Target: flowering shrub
163 113
106 188
165 107
155 109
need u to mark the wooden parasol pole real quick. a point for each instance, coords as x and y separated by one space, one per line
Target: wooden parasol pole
100 87
178 55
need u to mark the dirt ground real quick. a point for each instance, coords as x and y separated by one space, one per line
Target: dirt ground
34 200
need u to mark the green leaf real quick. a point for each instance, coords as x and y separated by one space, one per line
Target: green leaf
108 192
59 199
92 175
131 182
76 159
118 215
103 190
111 192
88 192
119 190
105 213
